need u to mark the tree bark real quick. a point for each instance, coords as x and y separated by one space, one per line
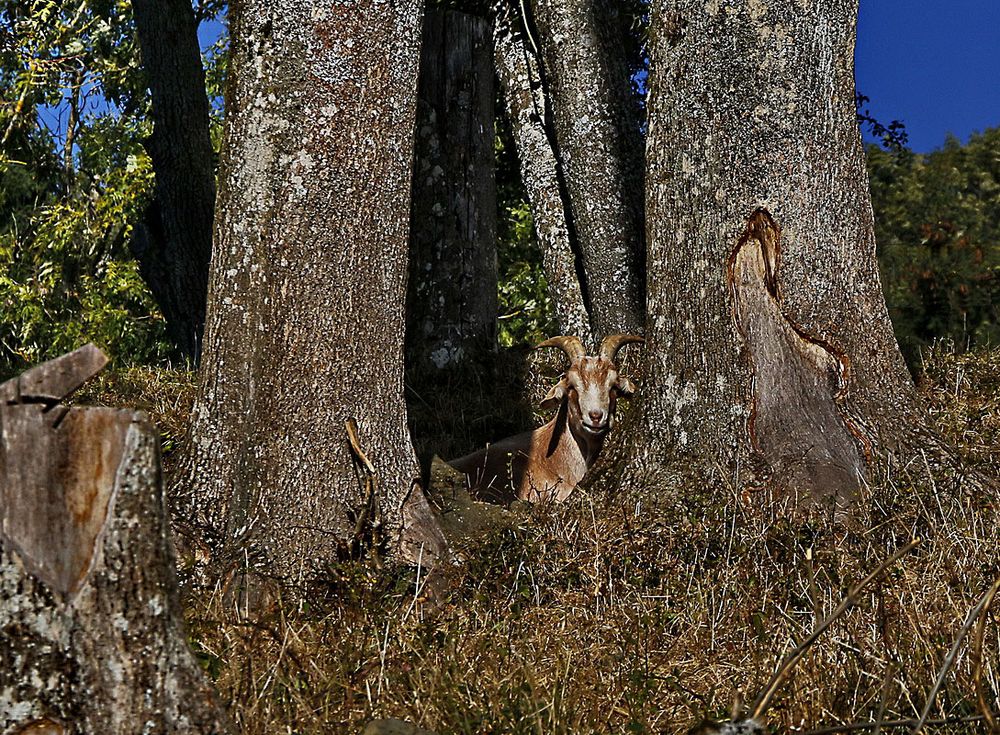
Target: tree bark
599 146
770 355
174 243
306 321
452 298
567 91
519 72
91 631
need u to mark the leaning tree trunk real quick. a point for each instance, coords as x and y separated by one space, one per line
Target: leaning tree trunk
91 631
305 324
593 122
452 299
519 72
173 244
769 343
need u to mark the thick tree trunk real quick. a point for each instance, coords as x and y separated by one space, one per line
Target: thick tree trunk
519 72
452 299
770 352
306 321
599 147
91 631
174 243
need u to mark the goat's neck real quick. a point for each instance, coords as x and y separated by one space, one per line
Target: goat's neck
590 445
564 437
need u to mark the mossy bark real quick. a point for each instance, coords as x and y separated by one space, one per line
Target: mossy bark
770 355
305 322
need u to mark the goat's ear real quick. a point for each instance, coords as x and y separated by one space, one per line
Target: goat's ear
626 388
555 396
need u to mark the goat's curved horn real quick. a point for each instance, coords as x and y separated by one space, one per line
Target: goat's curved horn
614 342
571 345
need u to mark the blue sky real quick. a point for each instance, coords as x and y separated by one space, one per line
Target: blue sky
933 64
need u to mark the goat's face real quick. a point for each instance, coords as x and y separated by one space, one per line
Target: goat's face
591 388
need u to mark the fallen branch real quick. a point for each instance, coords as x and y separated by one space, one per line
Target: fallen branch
977 658
760 705
950 659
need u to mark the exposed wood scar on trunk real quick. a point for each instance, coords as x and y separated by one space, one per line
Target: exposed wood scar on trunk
796 422
59 468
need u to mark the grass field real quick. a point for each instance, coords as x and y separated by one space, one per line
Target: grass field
637 613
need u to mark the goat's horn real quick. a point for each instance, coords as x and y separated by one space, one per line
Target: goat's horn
614 342
571 345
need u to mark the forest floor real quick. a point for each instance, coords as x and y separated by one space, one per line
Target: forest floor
633 613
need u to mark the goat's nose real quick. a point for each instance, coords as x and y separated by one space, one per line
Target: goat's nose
596 417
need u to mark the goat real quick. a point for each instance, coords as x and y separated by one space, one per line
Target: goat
548 462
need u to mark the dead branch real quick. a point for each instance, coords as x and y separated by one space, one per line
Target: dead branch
977 657
369 507
783 671
950 659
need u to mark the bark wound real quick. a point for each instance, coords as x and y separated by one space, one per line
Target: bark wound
51 489
796 422
41 727
67 496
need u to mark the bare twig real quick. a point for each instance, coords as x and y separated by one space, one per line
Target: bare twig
370 503
977 658
352 436
950 659
796 655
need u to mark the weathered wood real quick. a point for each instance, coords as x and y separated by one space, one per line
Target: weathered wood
796 423
452 290
56 379
91 631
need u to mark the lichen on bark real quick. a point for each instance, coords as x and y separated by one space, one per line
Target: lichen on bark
92 635
306 298
752 107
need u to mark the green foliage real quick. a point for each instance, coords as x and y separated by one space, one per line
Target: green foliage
215 59
527 315
75 178
938 231
526 312
66 280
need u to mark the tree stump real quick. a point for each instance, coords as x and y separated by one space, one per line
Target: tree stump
91 633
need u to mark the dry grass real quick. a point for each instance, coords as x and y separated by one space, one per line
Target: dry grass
166 395
642 613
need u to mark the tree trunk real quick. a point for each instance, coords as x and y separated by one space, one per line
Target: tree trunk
174 243
770 351
91 632
519 71
306 321
593 126
452 299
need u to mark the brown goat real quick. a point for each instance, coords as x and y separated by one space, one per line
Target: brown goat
547 463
